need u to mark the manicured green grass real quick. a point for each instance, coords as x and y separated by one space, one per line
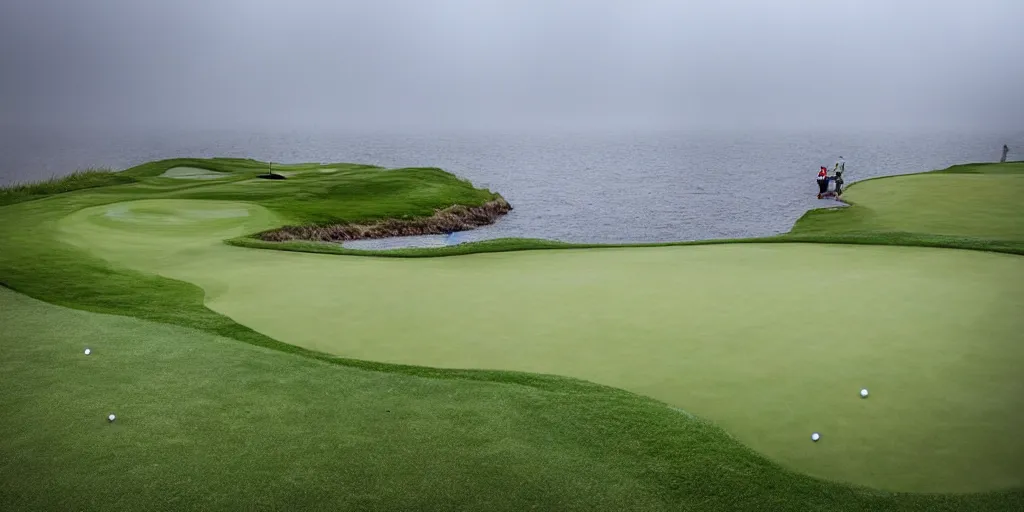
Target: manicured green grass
670 459
962 205
983 168
32 262
208 423
713 330
349 193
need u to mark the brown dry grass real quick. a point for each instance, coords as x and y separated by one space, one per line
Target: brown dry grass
447 220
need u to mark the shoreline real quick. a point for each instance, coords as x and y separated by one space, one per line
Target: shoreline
444 221
426 242
807 228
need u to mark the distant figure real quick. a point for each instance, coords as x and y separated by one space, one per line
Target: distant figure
822 181
840 165
1005 151
837 172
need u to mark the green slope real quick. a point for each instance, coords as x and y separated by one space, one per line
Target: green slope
207 423
977 203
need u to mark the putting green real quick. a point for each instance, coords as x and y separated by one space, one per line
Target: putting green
984 206
960 205
771 341
207 423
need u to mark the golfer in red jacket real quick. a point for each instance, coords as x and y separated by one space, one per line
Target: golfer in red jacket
822 181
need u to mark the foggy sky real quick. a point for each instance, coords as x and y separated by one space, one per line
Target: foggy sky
381 63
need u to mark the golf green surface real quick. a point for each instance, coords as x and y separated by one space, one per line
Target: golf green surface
721 331
206 422
982 207
267 379
959 204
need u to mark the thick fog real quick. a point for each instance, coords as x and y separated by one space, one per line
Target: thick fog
452 63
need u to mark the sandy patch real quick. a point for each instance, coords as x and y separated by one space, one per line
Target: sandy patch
193 173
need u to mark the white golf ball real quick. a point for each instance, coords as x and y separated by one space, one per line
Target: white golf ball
111 418
864 393
87 351
815 437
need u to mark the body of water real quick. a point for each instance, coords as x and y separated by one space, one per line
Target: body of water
595 187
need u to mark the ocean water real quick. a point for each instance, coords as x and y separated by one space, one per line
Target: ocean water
604 187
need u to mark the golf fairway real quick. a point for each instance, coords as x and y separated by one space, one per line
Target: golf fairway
770 341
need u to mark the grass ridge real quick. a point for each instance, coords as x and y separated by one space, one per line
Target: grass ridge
79 180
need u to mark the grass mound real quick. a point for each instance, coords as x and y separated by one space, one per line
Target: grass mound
351 194
89 178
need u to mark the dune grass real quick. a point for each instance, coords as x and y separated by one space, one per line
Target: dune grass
561 444
83 179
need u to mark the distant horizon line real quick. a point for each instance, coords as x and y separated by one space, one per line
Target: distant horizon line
511 128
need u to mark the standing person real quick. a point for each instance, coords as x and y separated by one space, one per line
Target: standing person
822 181
838 171
840 165
1005 151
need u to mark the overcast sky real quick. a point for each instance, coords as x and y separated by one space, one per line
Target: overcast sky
352 63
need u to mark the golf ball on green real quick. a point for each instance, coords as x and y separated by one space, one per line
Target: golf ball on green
87 351
864 393
111 418
815 436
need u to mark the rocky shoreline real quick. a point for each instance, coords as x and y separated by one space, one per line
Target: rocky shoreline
447 220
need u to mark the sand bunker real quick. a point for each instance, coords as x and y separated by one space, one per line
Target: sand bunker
154 214
193 173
